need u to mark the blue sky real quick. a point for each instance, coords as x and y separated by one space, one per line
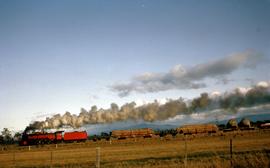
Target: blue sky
58 56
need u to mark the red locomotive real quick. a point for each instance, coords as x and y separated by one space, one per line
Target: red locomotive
56 137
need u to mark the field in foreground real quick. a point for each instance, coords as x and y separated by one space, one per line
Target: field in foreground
250 149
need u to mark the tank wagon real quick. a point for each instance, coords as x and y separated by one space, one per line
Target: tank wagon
232 124
196 129
123 134
265 126
56 137
245 124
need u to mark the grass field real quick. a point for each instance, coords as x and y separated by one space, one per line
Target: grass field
250 149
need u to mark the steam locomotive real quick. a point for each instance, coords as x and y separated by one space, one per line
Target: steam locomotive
55 137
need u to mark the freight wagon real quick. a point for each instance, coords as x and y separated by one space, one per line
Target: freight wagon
75 136
123 134
195 129
265 126
56 137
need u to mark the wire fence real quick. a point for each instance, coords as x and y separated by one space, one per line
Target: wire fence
227 150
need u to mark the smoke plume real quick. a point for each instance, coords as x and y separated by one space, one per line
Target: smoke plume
234 101
246 97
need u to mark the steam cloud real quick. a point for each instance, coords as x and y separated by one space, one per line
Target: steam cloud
189 78
240 99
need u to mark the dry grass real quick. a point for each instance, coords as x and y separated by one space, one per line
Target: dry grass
251 149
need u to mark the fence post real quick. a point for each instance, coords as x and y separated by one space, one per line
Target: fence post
56 146
185 162
29 147
231 152
98 157
51 159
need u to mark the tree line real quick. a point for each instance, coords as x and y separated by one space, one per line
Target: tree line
6 137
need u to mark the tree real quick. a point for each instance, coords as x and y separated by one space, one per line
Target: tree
17 137
1 139
7 138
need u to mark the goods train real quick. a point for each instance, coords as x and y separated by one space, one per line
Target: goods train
75 136
56 137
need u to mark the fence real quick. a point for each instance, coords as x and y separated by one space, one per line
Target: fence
179 151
